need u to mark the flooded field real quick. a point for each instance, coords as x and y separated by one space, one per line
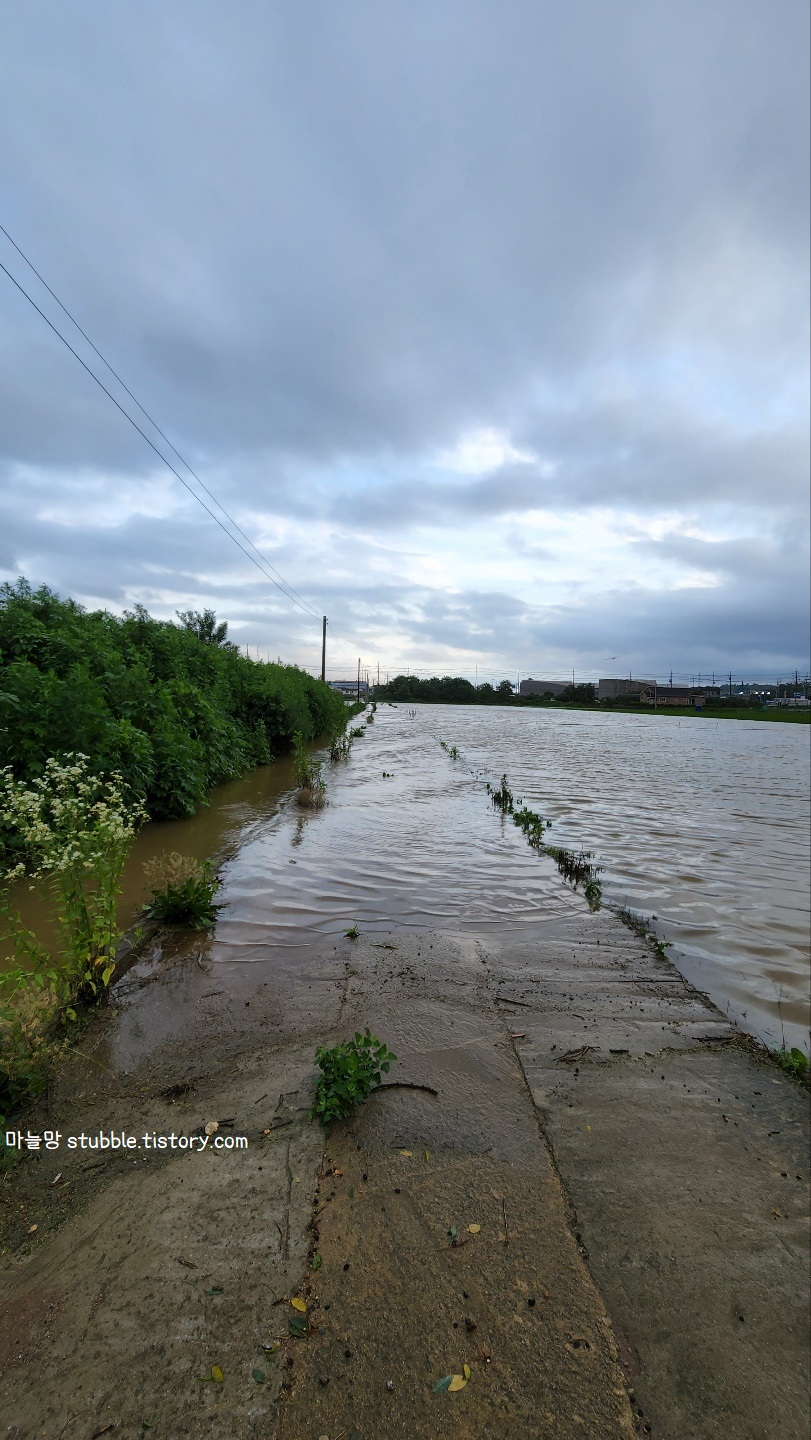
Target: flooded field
701 824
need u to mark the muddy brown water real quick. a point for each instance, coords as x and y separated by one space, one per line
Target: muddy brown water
700 823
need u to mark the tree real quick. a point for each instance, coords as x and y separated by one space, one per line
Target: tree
505 689
205 627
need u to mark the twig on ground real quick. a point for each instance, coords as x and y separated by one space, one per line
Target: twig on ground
404 1085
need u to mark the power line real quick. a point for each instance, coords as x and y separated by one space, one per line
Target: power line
262 563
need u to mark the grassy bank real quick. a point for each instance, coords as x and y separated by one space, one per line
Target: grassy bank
173 708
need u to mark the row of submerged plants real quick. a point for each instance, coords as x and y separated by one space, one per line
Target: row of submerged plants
576 866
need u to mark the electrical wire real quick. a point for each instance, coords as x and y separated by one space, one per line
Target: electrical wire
262 563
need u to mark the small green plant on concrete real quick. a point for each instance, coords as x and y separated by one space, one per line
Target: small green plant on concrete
349 1073
183 891
794 1062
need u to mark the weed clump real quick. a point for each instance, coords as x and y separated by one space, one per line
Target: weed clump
795 1063
532 825
339 748
357 732
349 1073
310 786
576 867
183 891
502 798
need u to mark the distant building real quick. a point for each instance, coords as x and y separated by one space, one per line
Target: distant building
543 687
654 694
350 689
617 689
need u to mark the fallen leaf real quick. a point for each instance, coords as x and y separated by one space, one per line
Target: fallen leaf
336 1171
443 1384
32 1228
588 1127
426 1155
474 1229
216 1374
458 1382
214 1289
272 1348
317 1262
407 1154
259 1376
298 1304
212 1127
467 1372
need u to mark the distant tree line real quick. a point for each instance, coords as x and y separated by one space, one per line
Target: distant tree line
175 708
454 690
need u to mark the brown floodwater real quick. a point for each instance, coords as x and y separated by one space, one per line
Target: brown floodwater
699 823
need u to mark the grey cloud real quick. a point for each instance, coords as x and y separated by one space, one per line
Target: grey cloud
310 244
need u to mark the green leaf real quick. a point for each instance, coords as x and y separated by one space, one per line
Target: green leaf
214 1289
317 1262
259 1376
442 1385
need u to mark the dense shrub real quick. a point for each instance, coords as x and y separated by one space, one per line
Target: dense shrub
174 709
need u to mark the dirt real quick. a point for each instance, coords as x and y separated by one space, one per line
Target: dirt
623 1226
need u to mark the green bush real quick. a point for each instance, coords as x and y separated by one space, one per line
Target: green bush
173 708
349 1072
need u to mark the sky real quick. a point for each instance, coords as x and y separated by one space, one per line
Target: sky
487 323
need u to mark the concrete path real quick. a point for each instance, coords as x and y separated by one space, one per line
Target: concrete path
645 1164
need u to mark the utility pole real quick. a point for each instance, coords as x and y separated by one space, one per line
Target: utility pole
324 649
730 684
358 678
378 674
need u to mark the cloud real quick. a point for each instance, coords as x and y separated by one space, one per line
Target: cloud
440 301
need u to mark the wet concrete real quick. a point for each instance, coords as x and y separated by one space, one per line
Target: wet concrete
656 1223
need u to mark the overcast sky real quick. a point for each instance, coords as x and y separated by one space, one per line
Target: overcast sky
487 322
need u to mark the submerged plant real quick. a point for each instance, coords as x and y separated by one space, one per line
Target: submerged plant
183 891
349 1072
310 786
357 732
532 825
502 798
576 867
339 748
